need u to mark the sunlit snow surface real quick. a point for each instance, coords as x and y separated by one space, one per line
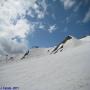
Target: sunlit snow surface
66 70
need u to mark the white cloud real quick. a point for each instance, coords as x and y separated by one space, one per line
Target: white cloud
87 17
68 3
8 46
41 9
11 26
40 15
20 29
30 13
52 28
9 10
41 26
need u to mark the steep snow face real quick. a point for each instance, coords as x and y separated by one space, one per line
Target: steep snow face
69 70
71 43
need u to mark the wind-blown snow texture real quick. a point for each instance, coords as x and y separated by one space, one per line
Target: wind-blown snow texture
65 70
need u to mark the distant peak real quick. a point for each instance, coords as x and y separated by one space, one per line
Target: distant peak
67 38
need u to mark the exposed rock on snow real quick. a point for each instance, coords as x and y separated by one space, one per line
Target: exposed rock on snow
25 55
68 42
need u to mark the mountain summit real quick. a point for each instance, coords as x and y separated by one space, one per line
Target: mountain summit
68 42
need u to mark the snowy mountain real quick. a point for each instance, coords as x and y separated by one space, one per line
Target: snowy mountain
62 67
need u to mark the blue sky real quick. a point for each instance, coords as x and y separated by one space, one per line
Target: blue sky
67 22
43 23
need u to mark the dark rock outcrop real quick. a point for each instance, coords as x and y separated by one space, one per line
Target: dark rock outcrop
60 45
25 54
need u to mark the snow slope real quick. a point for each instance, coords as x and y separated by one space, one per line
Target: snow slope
66 70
